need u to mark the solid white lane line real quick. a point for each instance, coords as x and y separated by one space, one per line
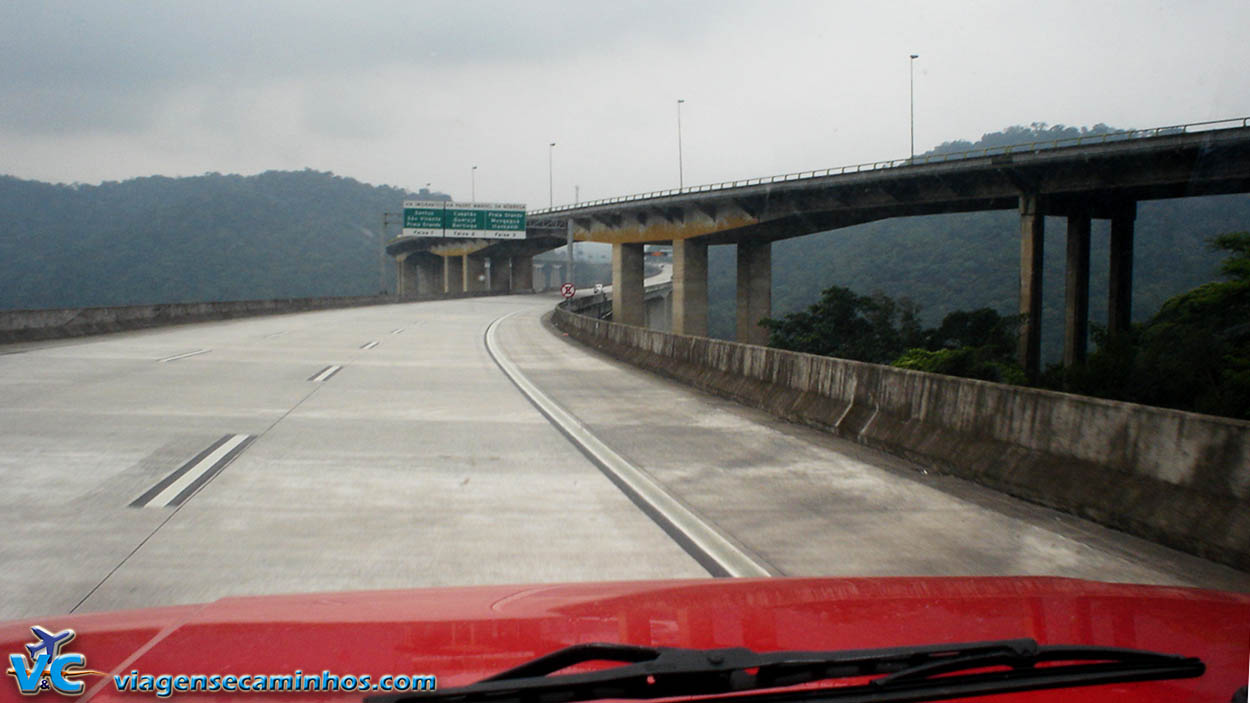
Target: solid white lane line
202 467
717 553
183 356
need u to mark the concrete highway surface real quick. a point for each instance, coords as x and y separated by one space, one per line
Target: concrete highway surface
385 447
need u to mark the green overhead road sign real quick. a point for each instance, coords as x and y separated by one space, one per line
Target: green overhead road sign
438 218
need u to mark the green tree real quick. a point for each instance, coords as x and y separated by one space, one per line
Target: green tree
967 362
849 326
982 327
973 344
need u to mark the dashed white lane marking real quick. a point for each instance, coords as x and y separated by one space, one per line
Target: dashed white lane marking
176 357
325 374
191 476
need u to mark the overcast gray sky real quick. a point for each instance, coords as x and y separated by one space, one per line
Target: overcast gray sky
409 92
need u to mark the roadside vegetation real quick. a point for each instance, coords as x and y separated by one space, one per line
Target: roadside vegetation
1193 354
877 329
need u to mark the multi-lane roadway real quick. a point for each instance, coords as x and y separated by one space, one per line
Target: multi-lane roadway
388 447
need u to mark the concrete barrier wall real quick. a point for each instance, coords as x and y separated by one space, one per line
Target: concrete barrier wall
1176 478
29 325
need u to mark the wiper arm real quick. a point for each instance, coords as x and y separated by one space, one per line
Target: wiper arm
922 673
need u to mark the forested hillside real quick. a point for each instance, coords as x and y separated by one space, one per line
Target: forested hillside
210 237
971 260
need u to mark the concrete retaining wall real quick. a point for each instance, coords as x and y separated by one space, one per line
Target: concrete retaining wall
1176 478
29 325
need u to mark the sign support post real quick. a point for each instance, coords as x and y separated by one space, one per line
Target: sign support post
571 278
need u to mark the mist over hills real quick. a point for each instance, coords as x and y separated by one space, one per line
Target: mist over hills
308 233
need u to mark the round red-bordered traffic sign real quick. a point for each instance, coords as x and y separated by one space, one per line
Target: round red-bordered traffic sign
567 290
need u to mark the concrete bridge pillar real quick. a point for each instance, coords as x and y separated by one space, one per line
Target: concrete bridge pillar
690 287
523 274
474 273
627 289
1076 291
1120 291
402 272
429 269
755 282
453 274
499 274
660 312
1032 237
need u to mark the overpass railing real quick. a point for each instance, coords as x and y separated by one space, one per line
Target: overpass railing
1024 147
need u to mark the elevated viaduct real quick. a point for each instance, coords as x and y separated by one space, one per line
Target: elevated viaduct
432 265
1097 176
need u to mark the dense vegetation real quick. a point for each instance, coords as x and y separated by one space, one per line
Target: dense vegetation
878 329
210 237
1193 354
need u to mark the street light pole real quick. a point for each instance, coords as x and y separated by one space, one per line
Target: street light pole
473 190
681 179
551 193
386 220
911 65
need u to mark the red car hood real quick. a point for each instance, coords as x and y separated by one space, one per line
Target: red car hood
464 634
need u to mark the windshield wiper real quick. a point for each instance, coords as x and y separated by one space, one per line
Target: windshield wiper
921 673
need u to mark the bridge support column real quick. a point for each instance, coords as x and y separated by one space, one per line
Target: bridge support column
474 273
453 274
499 274
755 283
523 274
627 292
1120 290
690 287
659 312
402 272
1076 291
1032 238
429 270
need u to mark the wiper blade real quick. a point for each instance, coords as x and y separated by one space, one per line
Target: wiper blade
920 673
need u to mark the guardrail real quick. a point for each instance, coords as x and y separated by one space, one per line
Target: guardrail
1024 147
